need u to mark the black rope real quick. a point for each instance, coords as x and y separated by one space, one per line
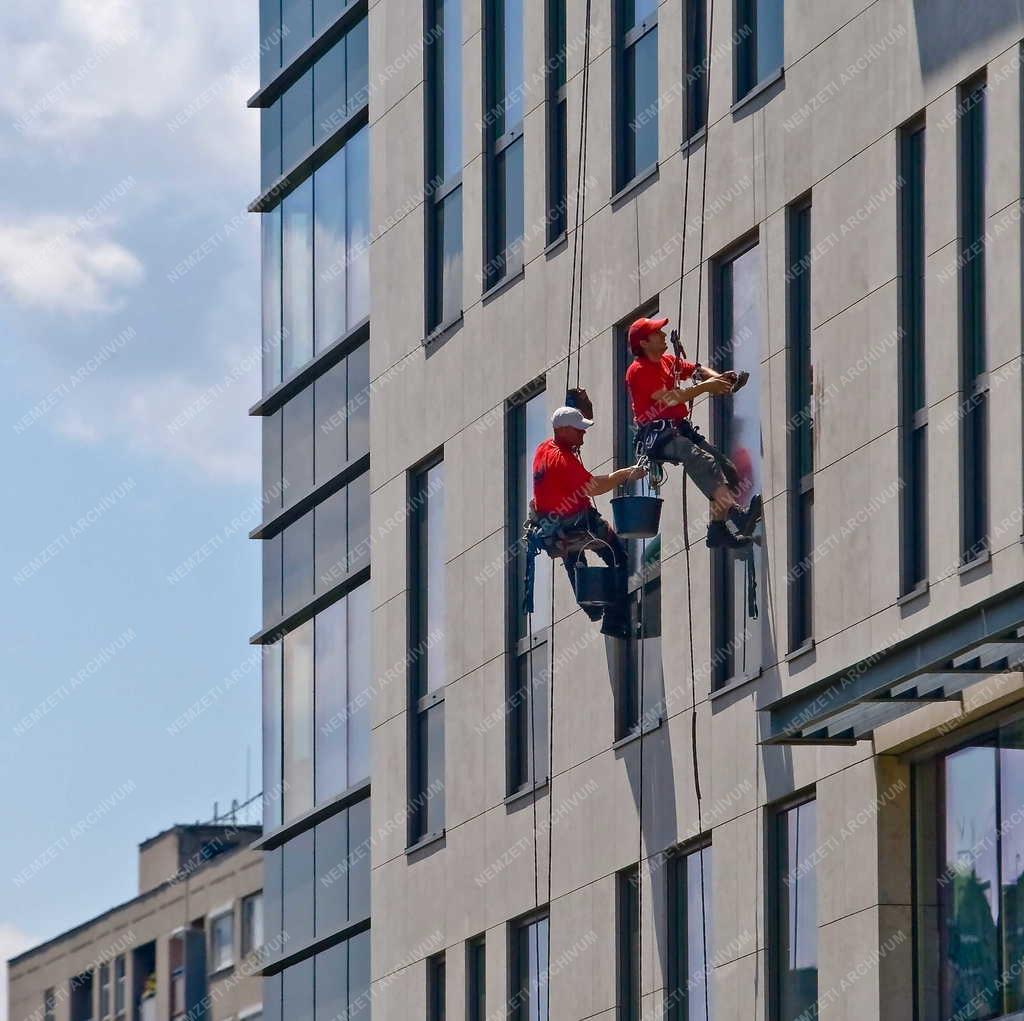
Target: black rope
551 776
578 233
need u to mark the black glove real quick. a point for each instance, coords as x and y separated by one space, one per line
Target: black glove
580 399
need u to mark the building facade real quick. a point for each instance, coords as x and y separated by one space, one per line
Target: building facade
188 946
793 792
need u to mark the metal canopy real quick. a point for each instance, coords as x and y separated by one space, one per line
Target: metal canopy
936 665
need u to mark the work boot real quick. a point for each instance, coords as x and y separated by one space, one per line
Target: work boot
719 537
745 521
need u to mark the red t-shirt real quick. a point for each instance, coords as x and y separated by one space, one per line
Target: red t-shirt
559 481
645 378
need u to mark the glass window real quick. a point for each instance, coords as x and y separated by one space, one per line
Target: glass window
528 992
298 553
331 415
332 983
627 928
761 42
736 428
104 992
222 941
297 28
271 299
431 594
297 121
49 1005
330 251
332 911
299 889
974 470
359 523
504 139
360 683
272 463
359 859
120 987
297 277
357 191
436 997
357 49
272 734
528 426
272 997
270 144
446 270
359 976
331 540
690 990
796 914
696 67
557 123
428 800
476 962
638 129
297 461
298 721
329 100
913 399
81 996
359 402
252 923
273 892
331 700
326 12
273 607
270 39
801 429
298 1003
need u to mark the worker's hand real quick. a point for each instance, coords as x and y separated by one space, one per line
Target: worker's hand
731 376
720 386
635 473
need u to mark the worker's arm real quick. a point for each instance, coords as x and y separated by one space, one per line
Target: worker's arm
599 484
683 395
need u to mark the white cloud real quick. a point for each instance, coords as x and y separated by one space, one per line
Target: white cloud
12 941
52 262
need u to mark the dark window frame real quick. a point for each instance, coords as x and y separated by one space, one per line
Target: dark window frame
623 137
677 898
774 818
503 259
800 431
627 932
974 378
724 672
421 702
436 996
438 190
519 774
913 400
520 1005
555 42
641 584
476 978
695 68
745 59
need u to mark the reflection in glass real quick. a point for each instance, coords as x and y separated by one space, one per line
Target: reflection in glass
271 299
448 239
325 13
1011 807
798 913
359 401
447 51
297 29
359 859
270 29
298 721
969 885
530 983
272 464
297 993
536 430
297 556
272 735
299 889
358 237
512 57
270 144
332 911
328 93
359 999
297 277
699 935
359 522
331 540
297 447
330 251
433 594
509 207
331 399
634 11
769 37
331 657
297 121
273 606
360 681
357 49
430 745
332 982
641 106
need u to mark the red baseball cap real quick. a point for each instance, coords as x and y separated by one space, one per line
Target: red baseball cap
642 329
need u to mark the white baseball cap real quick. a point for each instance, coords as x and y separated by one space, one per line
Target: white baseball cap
570 418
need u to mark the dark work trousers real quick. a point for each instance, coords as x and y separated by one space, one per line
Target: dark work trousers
615 618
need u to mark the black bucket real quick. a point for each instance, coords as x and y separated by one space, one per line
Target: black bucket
637 517
595 586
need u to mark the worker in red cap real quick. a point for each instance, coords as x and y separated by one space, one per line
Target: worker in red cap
666 434
563 521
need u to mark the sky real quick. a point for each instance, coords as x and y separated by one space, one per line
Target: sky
129 318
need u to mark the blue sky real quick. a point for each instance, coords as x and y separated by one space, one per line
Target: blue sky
125 148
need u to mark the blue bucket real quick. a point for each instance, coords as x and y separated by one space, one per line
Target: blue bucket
637 517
